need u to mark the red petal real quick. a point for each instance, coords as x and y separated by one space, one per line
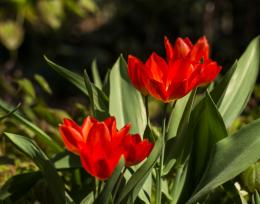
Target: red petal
70 123
71 137
188 42
86 160
181 48
168 48
136 150
111 125
86 126
157 90
99 135
209 72
97 162
178 90
156 67
200 50
136 73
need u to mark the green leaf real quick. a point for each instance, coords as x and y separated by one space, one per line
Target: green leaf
30 149
39 132
19 185
106 83
142 172
207 127
241 83
219 90
111 183
27 86
125 102
98 99
230 157
88 199
72 77
256 198
177 147
95 74
43 83
175 117
179 181
251 178
66 160
10 112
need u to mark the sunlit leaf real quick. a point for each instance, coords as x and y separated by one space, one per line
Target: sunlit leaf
125 102
241 84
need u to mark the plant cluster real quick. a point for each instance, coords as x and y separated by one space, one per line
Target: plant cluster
192 157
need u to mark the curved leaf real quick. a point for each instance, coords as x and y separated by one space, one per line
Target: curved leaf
229 157
125 102
39 132
29 148
207 127
241 83
72 77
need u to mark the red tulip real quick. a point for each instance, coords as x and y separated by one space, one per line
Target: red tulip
100 145
136 150
186 67
72 134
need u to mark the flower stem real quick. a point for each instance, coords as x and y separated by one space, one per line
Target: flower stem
118 183
160 169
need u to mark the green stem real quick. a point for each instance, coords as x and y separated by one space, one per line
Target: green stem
160 170
118 183
99 186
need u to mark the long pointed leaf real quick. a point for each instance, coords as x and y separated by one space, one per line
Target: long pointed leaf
30 149
72 77
125 102
229 157
39 132
242 83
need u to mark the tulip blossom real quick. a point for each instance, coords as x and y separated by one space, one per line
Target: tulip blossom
100 145
136 150
186 67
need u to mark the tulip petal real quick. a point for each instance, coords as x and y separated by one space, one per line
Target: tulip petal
156 67
181 48
209 72
157 90
86 159
168 48
71 138
71 123
135 72
200 51
99 136
136 150
86 126
111 125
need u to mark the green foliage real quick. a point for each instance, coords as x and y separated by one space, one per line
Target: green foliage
120 106
30 149
241 83
19 185
229 157
201 164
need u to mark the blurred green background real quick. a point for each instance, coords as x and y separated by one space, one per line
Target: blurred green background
74 32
